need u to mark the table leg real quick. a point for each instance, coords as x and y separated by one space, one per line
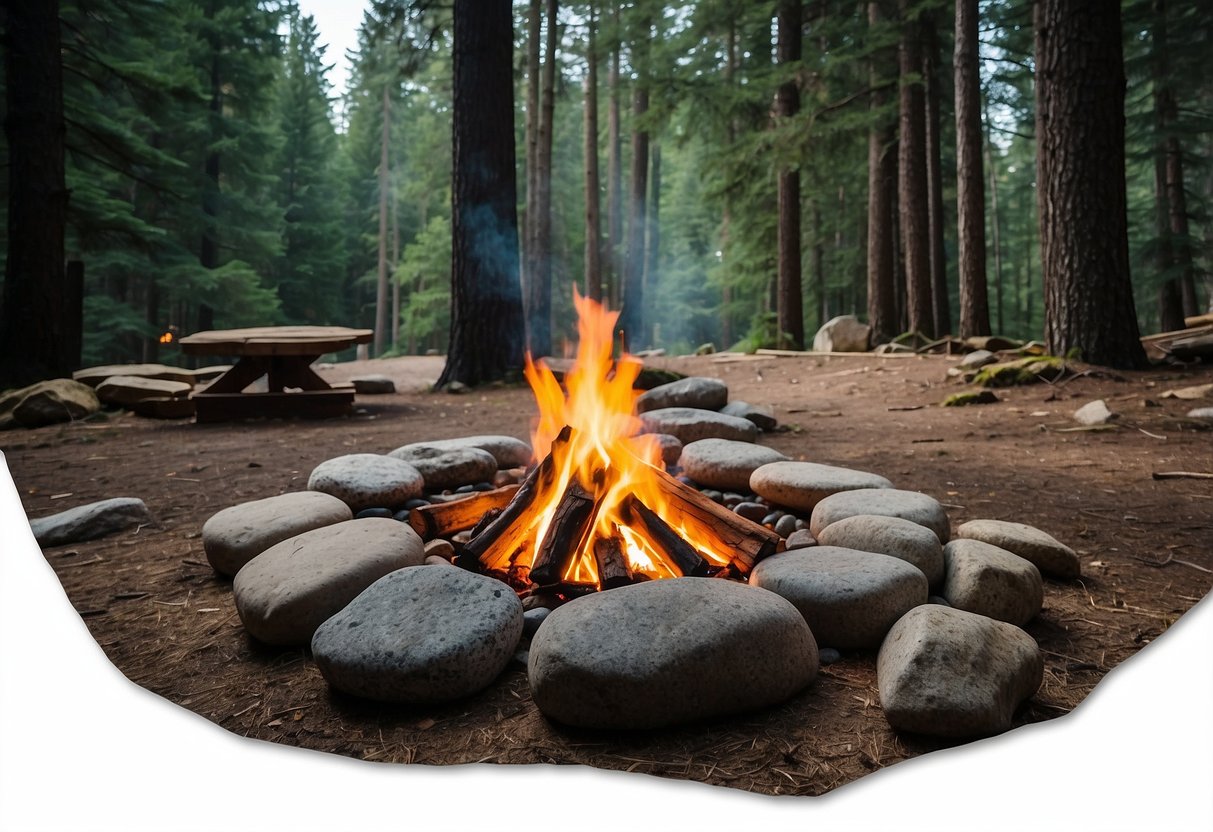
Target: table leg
247 369
294 371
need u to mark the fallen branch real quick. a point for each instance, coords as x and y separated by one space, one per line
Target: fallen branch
1181 475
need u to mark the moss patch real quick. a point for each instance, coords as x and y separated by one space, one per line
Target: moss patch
969 397
1021 371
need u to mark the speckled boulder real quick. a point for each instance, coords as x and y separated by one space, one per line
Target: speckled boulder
508 451
367 480
991 581
724 463
889 502
1030 543
849 598
690 425
669 652
950 673
291 588
47 403
891 536
802 485
449 467
694 391
417 636
236 535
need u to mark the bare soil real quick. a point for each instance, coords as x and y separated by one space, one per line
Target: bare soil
168 622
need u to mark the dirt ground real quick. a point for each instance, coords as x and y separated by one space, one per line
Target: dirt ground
168 622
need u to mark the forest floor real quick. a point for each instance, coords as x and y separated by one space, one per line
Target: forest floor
168 622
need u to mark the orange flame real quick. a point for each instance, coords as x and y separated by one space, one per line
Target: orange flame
606 454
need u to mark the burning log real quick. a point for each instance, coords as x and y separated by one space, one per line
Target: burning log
443 519
750 541
568 528
611 560
663 538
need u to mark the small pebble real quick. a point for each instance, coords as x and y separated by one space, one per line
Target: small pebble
435 560
483 486
416 502
714 496
539 599
440 548
465 489
828 655
801 524
402 515
750 511
373 512
785 526
730 499
801 539
532 618
772 518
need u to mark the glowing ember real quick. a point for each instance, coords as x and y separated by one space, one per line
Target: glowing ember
602 489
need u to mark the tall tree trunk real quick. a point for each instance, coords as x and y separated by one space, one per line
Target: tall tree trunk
631 317
726 216
487 325
534 33
614 166
208 249
539 290
819 267
970 177
395 262
996 228
1080 129
652 265
790 305
912 174
381 299
882 185
593 241
942 314
34 322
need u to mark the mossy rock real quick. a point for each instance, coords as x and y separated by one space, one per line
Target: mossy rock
1021 371
651 377
967 397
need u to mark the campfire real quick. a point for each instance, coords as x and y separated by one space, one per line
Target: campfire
599 510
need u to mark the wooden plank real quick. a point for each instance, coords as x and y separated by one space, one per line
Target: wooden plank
1199 320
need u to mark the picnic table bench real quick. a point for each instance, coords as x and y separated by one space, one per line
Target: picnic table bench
283 354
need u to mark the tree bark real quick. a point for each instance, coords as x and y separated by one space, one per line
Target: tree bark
381 299
1080 128
996 229
539 290
34 337
392 264
941 311
486 340
614 168
970 177
790 305
912 177
593 241
534 34
652 265
882 185
631 317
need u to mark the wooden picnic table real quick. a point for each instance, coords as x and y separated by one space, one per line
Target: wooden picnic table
283 354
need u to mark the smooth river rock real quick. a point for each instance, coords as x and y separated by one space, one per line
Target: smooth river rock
448 467
1030 543
802 485
290 589
90 521
725 463
690 425
761 415
669 652
508 451
367 480
951 673
889 502
694 391
991 581
889 536
849 598
421 635
236 535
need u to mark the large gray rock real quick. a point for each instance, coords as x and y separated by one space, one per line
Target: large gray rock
367 480
47 403
127 391
237 534
849 598
90 521
891 536
293 587
508 451
421 635
889 502
671 447
690 424
694 391
449 467
991 581
725 463
802 485
761 415
669 652
93 376
1030 543
1094 413
842 334
950 673
375 384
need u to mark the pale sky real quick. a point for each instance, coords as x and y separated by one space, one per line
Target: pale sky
337 21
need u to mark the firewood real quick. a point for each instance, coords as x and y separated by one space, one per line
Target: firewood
678 552
443 519
748 541
611 560
568 528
